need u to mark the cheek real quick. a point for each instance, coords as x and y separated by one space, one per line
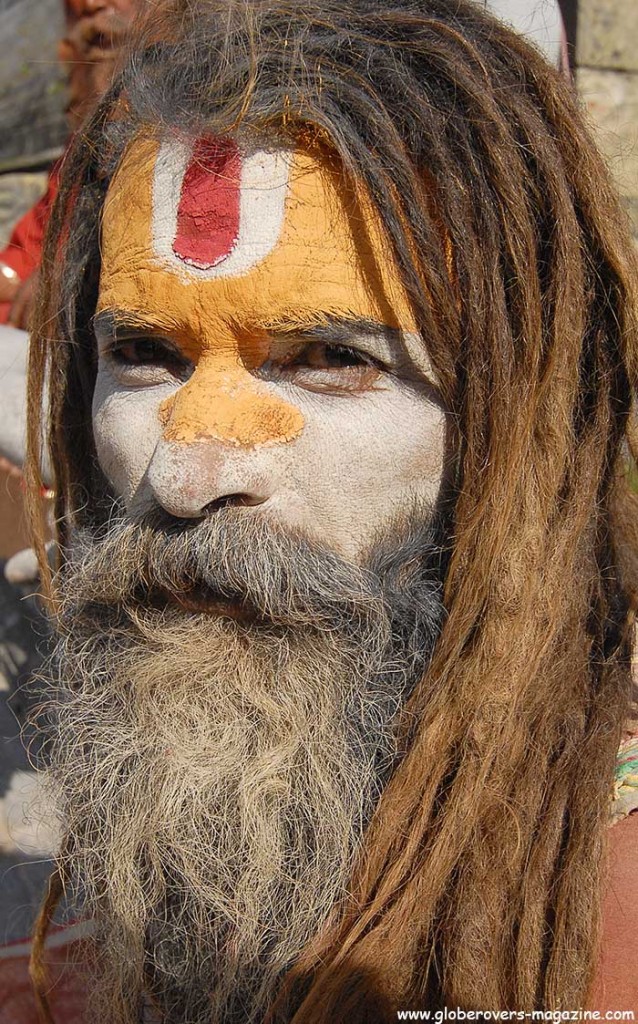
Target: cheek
126 429
362 461
399 456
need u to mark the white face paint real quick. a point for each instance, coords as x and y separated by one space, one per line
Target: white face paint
280 378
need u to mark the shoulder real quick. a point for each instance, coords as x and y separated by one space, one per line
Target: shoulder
616 985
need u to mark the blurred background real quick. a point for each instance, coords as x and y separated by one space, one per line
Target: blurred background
56 58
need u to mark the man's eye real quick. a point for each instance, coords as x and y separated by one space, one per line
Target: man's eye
145 361
142 351
323 356
320 366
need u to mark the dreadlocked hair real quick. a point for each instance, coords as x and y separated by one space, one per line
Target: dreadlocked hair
478 881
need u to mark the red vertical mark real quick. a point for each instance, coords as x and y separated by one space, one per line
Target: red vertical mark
208 212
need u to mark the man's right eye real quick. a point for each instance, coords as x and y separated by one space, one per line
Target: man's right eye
144 351
146 361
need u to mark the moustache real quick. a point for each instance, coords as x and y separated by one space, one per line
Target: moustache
238 563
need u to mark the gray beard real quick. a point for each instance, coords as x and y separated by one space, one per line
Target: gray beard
215 775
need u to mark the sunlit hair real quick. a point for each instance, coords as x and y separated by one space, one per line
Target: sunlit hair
478 883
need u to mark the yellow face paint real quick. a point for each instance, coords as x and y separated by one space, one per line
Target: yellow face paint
218 250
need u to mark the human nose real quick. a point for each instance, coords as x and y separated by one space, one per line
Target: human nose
223 401
191 480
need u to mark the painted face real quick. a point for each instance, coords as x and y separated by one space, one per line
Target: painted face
256 345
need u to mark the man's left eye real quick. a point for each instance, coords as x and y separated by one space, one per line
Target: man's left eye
323 356
321 366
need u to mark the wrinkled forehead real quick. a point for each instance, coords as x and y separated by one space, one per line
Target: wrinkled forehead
239 225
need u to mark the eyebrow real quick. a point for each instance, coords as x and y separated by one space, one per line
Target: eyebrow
321 326
110 322
329 327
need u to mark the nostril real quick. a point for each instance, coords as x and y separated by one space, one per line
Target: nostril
233 501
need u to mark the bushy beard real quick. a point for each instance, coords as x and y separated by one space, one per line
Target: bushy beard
216 771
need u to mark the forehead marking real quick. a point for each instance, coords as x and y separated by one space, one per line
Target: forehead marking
217 211
208 211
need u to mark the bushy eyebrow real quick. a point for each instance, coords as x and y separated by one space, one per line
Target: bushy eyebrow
331 328
324 327
110 322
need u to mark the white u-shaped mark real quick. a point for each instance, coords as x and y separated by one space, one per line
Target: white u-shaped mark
263 190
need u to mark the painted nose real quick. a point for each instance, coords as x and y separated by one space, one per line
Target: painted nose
190 481
222 401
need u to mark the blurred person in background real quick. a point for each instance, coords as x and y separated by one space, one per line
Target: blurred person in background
95 31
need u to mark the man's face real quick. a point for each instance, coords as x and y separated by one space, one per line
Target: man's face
223 701
256 347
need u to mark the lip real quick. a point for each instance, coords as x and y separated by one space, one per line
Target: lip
198 601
